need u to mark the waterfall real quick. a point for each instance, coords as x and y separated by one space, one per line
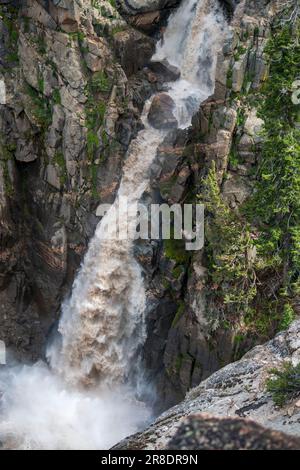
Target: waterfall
84 399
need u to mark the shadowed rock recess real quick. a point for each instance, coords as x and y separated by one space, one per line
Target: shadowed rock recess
83 83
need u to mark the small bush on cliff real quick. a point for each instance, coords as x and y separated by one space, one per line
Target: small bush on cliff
284 385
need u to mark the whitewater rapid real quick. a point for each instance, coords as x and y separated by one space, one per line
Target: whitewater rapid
85 398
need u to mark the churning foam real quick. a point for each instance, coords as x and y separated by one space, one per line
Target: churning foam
39 411
102 324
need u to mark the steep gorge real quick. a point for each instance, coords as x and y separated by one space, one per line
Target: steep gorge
77 78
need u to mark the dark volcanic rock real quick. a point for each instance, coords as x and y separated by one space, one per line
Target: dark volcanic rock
207 432
164 70
161 112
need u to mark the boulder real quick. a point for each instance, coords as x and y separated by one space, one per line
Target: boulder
147 22
161 112
165 71
66 13
146 15
238 391
204 431
25 151
133 50
132 7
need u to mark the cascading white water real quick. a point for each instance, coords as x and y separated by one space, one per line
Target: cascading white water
102 323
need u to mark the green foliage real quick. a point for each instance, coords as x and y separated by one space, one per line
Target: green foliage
178 271
94 177
118 29
234 157
40 108
8 187
254 254
8 15
288 316
104 11
284 385
26 24
6 155
59 160
240 50
56 96
100 82
179 313
41 44
231 250
275 206
95 111
175 250
92 143
41 84
229 78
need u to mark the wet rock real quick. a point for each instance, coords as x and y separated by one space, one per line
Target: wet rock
133 49
165 71
161 112
147 22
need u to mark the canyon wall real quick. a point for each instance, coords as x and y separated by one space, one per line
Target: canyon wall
202 312
76 76
231 409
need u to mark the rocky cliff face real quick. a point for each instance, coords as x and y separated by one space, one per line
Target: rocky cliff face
74 94
76 79
190 333
236 391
